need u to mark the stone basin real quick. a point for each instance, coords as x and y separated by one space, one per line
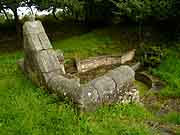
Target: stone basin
45 67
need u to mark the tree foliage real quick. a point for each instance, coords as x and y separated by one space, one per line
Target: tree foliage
138 10
74 7
98 10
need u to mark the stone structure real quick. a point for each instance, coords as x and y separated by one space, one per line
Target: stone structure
45 67
95 62
152 82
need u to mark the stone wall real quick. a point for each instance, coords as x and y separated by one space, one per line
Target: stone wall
45 67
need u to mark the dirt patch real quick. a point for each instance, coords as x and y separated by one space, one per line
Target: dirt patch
160 105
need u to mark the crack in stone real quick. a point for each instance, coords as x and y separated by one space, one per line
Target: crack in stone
99 97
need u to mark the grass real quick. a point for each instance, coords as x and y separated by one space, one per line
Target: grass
169 71
172 117
90 44
28 110
141 87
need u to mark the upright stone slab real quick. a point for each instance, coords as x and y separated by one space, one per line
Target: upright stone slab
40 58
35 38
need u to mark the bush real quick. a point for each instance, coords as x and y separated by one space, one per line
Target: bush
138 10
151 56
172 117
169 71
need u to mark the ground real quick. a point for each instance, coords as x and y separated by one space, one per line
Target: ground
26 109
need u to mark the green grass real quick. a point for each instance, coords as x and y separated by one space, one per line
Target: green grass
172 117
90 44
141 87
28 110
169 71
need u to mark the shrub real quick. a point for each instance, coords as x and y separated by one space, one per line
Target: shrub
138 10
151 55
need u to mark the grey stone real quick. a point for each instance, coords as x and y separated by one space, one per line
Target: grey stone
122 75
35 38
47 61
115 86
65 87
89 98
106 88
45 67
136 66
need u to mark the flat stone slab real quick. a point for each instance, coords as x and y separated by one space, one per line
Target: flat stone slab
95 62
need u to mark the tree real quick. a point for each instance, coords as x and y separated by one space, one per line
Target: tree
144 10
13 6
98 11
138 10
73 6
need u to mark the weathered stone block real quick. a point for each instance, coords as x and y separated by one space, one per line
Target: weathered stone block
35 38
106 88
47 61
89 98
64 87
115 86
122 75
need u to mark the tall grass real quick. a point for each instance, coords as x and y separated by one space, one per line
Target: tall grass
169 71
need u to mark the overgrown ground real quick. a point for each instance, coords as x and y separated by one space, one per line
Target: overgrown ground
28 110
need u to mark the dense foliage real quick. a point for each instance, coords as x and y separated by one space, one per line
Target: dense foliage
151 55
100 12
88 10
139 10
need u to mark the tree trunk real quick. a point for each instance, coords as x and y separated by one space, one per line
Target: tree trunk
31 10
6 15
54 13
89 15
18 29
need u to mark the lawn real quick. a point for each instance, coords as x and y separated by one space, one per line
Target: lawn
28 110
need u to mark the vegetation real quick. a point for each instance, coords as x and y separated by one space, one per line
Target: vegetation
138 10
27 109
151 56
172 117
169 72
87 45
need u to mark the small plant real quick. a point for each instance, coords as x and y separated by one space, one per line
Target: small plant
172 117
151 56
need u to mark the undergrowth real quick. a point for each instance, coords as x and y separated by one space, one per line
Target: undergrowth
169 71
